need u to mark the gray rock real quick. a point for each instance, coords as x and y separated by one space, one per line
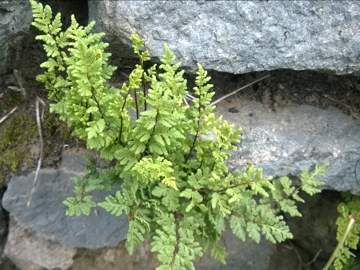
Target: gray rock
31 250
15 19
5 263
46 213
116 258
238 36
239 255
287 141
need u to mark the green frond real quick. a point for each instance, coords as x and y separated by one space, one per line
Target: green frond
176 248
78 208
309 182
135 235
115 205
169 196
253 219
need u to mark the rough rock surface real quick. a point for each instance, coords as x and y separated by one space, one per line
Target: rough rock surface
46 213
286 141
15 19
31 250
5 263
239 36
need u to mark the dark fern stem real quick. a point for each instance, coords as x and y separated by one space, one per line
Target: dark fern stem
176 250
214 163
120 129
132 214
197 132
136 105
121 116
87 176
143 83
98 105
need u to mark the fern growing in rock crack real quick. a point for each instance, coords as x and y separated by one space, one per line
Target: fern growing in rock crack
175 187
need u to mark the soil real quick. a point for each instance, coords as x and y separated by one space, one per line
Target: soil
282 88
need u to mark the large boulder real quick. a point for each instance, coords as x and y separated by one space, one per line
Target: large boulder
31 250
15 20
238 36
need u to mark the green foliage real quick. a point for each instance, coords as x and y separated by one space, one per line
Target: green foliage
351 264
286 195
82 203
349 209
175 186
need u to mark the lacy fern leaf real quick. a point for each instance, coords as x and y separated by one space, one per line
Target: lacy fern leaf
115 205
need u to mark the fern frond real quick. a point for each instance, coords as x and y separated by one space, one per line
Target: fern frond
135 235
309 182
76 207
256 219
176 247
115 205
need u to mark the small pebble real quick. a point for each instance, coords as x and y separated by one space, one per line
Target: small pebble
233 110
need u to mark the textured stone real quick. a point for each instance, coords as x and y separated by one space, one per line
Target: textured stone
5 263
116 258
239 36
285 141
46 213
15 19
31 250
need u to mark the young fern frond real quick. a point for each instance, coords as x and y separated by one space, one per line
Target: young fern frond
115 205
285 195
250 218
82 203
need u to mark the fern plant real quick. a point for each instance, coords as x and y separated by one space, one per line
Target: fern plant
347 233
175 187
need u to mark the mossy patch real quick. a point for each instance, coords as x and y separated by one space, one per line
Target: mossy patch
16 135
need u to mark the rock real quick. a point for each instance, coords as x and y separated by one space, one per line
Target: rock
240 255
5 263
46 213
286 141
116 258
238 36
15 20
31 250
